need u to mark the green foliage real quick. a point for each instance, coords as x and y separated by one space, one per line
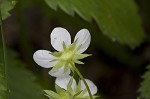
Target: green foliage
117 19
145 85
20 82
122 53
6 6
3 85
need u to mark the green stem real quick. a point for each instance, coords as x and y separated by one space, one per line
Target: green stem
4 50
82 78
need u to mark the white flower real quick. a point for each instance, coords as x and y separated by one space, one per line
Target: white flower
79 89
67 54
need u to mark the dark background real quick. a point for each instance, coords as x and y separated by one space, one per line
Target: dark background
116 69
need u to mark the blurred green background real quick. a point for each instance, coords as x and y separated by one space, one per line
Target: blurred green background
117 63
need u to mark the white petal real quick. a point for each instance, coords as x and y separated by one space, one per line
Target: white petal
58 36
60 72
44 58
83 38
63 82
91 85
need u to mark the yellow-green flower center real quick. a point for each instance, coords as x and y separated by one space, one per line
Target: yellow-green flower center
68 55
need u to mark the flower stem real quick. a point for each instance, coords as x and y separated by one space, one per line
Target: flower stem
86 85
4 51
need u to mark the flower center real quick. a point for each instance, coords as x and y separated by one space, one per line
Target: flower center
67 55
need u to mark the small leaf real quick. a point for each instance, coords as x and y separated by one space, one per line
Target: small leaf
6 6
145 85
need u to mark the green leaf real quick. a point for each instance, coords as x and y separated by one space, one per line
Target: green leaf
3 88
6 6
3 82
20 81
118 19
145 85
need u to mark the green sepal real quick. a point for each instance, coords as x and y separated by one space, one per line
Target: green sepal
69 89
87 97
71 67
56 54
57 66
64 45
78 88
62 92
66 67
78 48
52 95
78 93
81 95
81 56
72 47
54 60
83 92
95 96
73 71
59 90
79 62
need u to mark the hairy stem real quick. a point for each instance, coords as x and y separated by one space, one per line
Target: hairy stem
82 78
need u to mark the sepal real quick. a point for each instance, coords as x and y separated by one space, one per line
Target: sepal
81 56
52 95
